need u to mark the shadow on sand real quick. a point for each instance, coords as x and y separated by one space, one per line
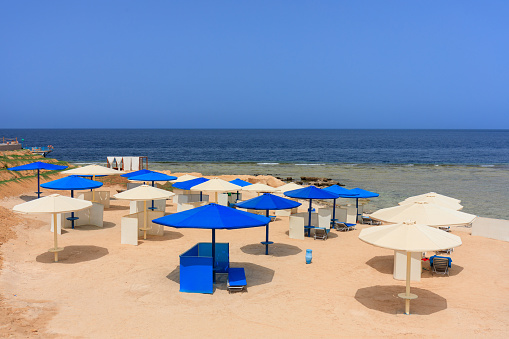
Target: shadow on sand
255 275
276 250
385 299
385 265
167 235
28 197
73 255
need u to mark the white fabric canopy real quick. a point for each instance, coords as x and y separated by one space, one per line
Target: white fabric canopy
288 187
54 203
184 177
144 192
422 197
216 185
92 170
424 213
433 199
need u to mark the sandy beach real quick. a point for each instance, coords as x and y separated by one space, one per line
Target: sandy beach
102 289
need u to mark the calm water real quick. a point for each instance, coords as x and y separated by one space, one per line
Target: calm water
471 165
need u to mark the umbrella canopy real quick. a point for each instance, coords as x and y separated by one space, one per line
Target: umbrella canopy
53 204
216 185
435 200
432 195
410 237
240 182
424 213
92 170
363 194
213 216
186 185
289 187
152 176
311 192
38 166
133 174
185 177
144 193
343 192
72 182
268 201
261 188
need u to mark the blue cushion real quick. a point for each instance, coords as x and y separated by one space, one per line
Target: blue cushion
237 276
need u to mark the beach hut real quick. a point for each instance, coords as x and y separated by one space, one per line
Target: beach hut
409 237
268 202
53 204
72 183
199 264
310 193
38 166
424 213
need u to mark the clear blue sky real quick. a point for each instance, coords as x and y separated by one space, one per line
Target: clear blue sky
254 64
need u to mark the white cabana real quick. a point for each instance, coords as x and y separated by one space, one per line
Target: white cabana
53 204
410 238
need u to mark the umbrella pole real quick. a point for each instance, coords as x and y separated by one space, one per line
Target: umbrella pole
152 200
93 191
267 235
55 236
201 196
145 219
213 254
72 214
407 292
334 214
38 185
357 208
309 220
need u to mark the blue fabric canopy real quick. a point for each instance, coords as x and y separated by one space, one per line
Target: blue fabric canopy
72 182
363 194
240 182
136 173
213 216
152 176
186 185
343 192
311 192
268 202
38 165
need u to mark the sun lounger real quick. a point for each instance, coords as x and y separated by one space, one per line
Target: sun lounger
236 279
368 221
343 226
320 233
440 264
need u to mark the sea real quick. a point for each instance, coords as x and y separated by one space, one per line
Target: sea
470 165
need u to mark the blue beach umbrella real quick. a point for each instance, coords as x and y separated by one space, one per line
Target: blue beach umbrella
152 176
38 166
72 183
136 173
343 193
214 217
362 194
188 184
268 202
311 192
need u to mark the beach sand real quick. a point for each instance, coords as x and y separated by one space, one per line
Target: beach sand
102 289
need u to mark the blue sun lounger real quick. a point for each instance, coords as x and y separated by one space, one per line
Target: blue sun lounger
236 279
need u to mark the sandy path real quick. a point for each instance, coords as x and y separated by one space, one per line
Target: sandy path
101 289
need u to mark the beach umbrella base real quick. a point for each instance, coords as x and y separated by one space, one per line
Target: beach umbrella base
145 232
56 250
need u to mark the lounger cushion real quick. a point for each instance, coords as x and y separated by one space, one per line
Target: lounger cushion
237 276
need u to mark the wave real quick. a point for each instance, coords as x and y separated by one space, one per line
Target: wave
267 163
309 164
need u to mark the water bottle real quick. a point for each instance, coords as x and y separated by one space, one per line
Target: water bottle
309 256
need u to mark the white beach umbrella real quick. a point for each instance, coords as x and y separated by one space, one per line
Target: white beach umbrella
93 171
409 237
53 204
216 185
424 213
144 193
421 197
259 188
288 187
184 177
434 199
